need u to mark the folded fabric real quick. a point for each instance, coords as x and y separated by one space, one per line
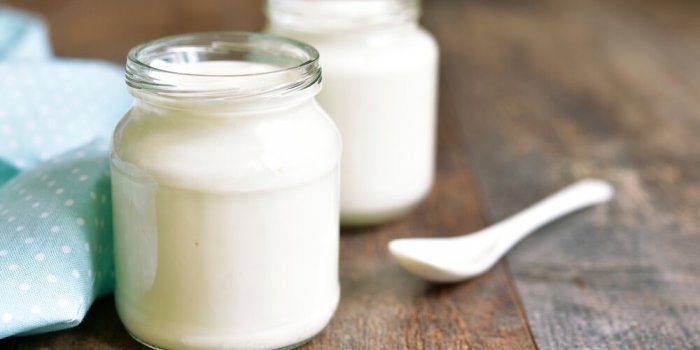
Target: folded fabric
56 249
49 107
56 116
22 36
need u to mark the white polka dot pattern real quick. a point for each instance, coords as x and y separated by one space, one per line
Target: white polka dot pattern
56 116
46 262
27 138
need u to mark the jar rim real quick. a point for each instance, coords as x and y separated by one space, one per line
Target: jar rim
293 66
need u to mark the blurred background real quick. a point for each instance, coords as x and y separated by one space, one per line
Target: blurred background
108 29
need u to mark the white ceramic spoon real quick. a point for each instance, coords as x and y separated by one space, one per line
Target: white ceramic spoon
453 259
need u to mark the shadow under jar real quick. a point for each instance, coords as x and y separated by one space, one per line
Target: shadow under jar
380 85
225 180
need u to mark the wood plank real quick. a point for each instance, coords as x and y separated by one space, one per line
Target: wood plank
382 307
552 91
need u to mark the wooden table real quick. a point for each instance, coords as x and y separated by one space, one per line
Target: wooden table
534 95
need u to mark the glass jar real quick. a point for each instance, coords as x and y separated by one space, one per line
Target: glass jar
225 180
380 85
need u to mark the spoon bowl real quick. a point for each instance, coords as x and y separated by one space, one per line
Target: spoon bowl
453 259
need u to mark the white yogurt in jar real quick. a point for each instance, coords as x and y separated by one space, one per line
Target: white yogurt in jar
380 86
225 210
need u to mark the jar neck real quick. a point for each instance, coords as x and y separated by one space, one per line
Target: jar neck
206 109
219 72
334 17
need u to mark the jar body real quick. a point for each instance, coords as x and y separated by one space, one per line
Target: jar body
226 226
380 87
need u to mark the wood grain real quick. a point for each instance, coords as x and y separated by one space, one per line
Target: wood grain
381 306
553 91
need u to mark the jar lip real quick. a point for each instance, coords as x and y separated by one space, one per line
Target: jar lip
341 15
290 65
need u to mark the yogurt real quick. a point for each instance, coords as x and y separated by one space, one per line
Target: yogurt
226 189
380 86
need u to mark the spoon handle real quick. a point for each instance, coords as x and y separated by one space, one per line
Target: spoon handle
577 196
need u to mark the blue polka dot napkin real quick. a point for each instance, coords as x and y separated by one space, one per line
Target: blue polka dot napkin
56 116
22 36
